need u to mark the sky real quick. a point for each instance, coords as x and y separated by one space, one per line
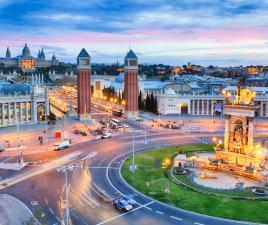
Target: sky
205 32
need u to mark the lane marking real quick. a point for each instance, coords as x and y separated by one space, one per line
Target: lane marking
120 215
46 201
58 219
51 210
176 218
199 223
159 212
148 208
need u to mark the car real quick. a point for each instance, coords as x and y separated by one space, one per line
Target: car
126 125
76 131
138 119
97 137
61 145
2 148
122 205
83 133
129 199
106 135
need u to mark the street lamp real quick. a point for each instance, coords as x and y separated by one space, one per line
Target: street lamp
145 130
65 170
159 115
133 153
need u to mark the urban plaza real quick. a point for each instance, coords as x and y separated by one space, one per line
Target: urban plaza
133 112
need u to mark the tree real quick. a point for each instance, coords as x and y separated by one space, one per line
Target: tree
140 101
147 102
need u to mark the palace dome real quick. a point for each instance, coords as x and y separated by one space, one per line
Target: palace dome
26 51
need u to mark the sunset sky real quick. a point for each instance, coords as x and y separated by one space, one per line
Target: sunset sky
218 32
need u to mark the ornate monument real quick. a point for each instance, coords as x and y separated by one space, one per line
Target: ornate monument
239 154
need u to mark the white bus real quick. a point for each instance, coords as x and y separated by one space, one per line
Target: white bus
117 123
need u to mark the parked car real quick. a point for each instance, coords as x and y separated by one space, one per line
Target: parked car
126 125
122 205
76 131
106 135
129 199
2 148
138 119
97 137
83 133
61 145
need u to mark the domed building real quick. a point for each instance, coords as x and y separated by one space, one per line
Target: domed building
26 61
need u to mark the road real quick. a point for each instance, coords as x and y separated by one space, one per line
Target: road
96 166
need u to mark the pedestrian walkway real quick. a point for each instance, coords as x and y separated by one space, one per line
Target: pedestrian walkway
19 214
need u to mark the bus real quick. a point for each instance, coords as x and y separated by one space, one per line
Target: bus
117 123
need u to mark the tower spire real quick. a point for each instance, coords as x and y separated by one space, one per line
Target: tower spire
8 54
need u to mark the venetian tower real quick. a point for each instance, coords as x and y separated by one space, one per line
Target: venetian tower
83 85
131 85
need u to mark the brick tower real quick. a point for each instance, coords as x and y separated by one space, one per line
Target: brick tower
83 85
131 85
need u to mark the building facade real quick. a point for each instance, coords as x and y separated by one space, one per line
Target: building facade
26 61
24 108
204 104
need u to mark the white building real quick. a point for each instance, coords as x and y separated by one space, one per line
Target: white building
24 107
205 104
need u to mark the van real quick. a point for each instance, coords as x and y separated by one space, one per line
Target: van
61 145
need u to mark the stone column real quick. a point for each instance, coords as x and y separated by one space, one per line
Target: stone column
9 114
226 132
34 111
21 119
15 113
198 110
193 108
26 109
250 132
207 107
212 106
3 113
266 109
261 111
203 108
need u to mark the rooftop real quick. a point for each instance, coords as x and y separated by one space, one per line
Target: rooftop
83 53
131 55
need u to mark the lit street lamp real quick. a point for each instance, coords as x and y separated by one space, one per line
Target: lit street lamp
65 170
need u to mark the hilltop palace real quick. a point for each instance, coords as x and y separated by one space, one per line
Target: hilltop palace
26 61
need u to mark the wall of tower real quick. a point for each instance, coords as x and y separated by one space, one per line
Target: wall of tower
84 92
131 90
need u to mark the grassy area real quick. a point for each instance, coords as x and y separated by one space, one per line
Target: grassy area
150 168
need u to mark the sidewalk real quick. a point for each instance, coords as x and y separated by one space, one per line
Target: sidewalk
13 211
28 136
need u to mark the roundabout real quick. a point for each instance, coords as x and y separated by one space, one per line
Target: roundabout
156 179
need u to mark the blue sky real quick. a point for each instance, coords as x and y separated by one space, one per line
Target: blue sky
219 32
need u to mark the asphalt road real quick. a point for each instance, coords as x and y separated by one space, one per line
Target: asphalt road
96 169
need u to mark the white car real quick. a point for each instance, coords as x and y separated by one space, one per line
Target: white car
106 135
61 145
97 137
126 125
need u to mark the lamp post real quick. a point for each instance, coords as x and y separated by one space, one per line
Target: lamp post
133 153
65 170
18 145
159 115
145 130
